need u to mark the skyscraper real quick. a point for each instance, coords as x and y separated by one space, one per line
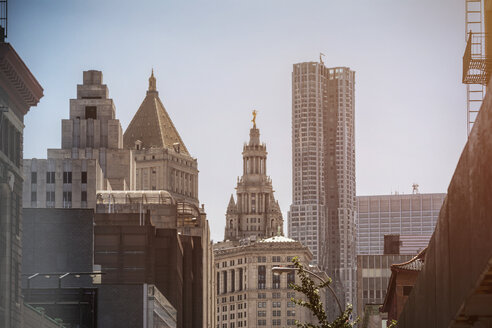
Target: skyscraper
322 215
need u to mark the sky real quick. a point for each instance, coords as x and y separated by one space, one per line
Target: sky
216 61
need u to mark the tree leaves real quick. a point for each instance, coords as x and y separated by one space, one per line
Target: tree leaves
313 301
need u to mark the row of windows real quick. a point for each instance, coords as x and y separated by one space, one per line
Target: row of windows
232 324
290 304
50 177
50 197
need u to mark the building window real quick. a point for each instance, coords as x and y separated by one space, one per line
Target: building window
34 177
261 259
276 322
291 313
83 196
262 313
291 322
233 281
91 112
291 278
50 177
261 295
276 304
276 259
261 305
224 277
240 279
275 295
34 196
276 313
261 322
50 199
261 277
83 177
275 281
67 177
67 199
218 283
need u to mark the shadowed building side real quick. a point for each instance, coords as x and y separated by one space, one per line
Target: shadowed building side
19 90
454 287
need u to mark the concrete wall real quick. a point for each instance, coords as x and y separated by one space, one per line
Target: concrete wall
57 240
120 306
460 251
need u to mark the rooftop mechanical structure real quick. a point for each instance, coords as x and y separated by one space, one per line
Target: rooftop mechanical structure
476 64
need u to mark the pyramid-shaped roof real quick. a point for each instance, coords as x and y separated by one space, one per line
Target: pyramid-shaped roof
152 125
232 205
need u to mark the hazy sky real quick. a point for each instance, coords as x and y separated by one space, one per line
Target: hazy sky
216 61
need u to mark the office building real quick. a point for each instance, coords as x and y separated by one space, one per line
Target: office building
121 177
406 215
149 237
248 293
91 156
322 214
59 247
19 91
162 159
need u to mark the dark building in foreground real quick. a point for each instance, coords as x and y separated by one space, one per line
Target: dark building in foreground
149 237
57 262
59 275
19 90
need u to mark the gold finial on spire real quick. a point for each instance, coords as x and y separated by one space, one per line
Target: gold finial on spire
152 82
254 118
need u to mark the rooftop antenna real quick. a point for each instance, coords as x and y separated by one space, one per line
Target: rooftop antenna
321 55
415 187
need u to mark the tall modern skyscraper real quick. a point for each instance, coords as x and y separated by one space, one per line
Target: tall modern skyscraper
322 215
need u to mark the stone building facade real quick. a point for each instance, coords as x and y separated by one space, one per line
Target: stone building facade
256 212
19 91
322 214
248 293
162 159
91 156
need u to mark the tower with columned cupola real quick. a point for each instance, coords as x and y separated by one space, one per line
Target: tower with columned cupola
255 212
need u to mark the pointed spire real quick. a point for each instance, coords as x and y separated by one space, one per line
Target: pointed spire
152 82
232 204
152 125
